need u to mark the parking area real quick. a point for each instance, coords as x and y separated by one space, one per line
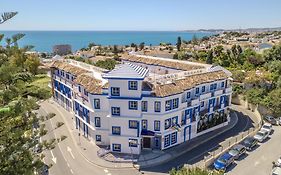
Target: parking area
257 160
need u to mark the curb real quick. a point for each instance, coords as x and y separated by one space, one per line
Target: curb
190 148
78 148
256 128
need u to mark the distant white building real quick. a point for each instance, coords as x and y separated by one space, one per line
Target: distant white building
145 102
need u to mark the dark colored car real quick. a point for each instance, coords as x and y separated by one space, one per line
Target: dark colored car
44 170
237 150
270 120
250 143
223 161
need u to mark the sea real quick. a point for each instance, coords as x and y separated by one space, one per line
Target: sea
43 41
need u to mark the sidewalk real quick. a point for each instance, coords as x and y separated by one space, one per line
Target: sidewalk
83 145
147 158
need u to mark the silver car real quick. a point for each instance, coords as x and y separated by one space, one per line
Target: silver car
267 127
237 150
261 135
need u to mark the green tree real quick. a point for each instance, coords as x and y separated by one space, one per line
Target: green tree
179 43
194 171
210 57
32 63
141 46
273 101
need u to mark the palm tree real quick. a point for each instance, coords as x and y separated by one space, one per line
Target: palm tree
6 16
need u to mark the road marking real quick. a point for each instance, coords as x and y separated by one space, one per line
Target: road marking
105 170
69 150
257 163
68 164
109 174
53 157
71 171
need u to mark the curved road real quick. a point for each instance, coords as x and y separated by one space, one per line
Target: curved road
198 153
67 160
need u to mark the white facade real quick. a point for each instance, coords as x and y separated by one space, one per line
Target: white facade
128 118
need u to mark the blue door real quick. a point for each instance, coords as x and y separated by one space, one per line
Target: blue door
187 133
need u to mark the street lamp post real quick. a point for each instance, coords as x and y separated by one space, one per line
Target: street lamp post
79 138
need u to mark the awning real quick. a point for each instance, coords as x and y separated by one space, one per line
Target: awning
147 133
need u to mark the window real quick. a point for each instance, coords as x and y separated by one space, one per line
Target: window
156 125
116 147
97 122
98 138
116 130
203 89
67 76
133 142
222 84
187 95
172 104
157 106
133 105
97 103
115 111
174 121
85 92
215 86
115 91
133 85
202 104
197 90
144 106
167 140
174 138
144 124
79 88
133 124
167 123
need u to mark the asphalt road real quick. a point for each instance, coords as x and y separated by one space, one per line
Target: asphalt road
197 154
67 160
259 161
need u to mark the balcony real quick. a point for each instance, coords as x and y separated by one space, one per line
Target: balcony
82 99
218 92
205 96
195 102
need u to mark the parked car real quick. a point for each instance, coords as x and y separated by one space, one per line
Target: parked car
249 143
237 150
261 135
270 120
267 127
44 170
276 171
223 161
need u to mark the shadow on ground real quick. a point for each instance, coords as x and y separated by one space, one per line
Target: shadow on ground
197 154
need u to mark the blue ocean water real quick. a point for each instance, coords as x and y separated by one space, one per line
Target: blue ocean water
44 40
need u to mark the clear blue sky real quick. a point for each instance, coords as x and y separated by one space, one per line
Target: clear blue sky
140 14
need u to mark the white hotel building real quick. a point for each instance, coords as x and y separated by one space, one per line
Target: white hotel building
145 102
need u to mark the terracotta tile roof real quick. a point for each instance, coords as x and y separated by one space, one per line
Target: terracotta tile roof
69 68
179 86
91 84
166 63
